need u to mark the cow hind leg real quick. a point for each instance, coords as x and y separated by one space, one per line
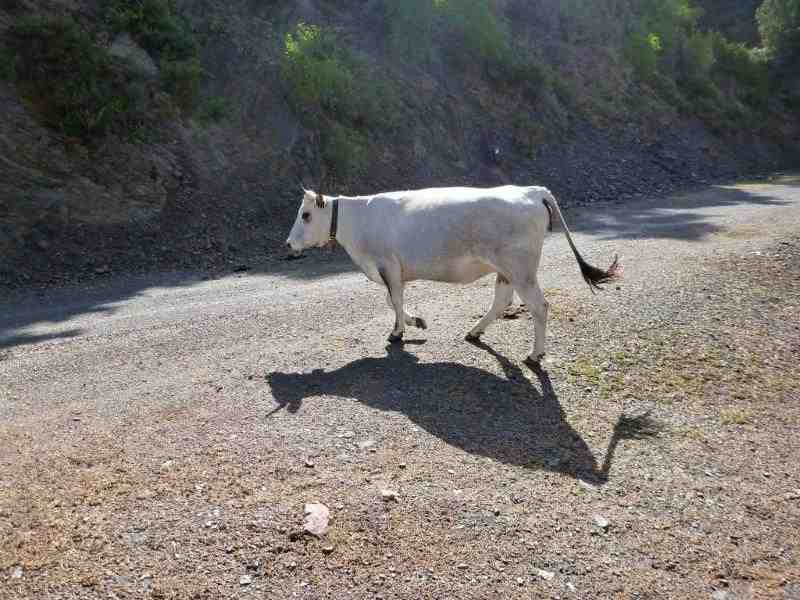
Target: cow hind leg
532 295
408 319
394 284
503 295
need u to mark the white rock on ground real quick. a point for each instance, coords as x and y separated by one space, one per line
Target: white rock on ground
317 517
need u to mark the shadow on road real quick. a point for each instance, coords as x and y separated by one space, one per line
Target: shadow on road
26 308
506 419
680 217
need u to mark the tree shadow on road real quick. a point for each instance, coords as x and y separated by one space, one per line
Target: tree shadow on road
679 217
509 419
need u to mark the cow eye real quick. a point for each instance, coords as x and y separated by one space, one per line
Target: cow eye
306 216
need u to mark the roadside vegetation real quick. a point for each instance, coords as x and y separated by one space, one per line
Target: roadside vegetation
675 63
338 95
75 84
664 60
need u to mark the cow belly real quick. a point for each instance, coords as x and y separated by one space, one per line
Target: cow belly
461 270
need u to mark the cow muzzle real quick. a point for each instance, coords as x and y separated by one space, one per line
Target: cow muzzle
293 253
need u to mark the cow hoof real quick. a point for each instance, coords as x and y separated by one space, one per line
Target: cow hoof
535 362
395 339
420 323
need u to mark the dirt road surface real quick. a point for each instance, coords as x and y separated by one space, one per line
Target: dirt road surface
160 435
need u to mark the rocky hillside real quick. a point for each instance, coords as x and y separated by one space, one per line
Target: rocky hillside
160 134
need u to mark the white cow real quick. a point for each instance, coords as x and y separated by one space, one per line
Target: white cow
455 235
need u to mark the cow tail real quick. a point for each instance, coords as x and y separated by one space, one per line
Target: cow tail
591 274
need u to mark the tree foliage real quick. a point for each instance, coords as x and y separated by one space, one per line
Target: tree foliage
779 26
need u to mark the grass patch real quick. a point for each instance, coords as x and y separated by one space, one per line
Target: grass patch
743 232
587 371
735 416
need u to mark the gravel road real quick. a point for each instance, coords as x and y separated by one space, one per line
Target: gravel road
161 434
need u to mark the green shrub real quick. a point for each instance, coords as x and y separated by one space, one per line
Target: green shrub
344 151
72 83
338 95
181 79
8 60
317 72
410 26
697 57
484 35
779 26
156 26
528 134
670 21
213 110
659 35
324 78
747 67
642 50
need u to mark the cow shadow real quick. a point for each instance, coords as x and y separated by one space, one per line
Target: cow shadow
509 419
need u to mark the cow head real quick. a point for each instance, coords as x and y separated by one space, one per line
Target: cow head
312 226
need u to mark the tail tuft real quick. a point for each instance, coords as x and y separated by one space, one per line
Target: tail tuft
594 276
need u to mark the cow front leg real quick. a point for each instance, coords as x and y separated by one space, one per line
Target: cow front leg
532 295
408 319
394 285
503 294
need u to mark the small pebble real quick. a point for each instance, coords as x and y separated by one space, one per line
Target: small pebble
389 495
245 580
600 521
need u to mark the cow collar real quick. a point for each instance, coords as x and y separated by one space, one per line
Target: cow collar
334 218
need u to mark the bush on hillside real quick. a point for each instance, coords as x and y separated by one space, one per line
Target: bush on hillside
779 26
336 94
75 85
410 26
156 26
748 68
642 50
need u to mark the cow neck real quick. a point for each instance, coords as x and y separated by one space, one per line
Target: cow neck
344 222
